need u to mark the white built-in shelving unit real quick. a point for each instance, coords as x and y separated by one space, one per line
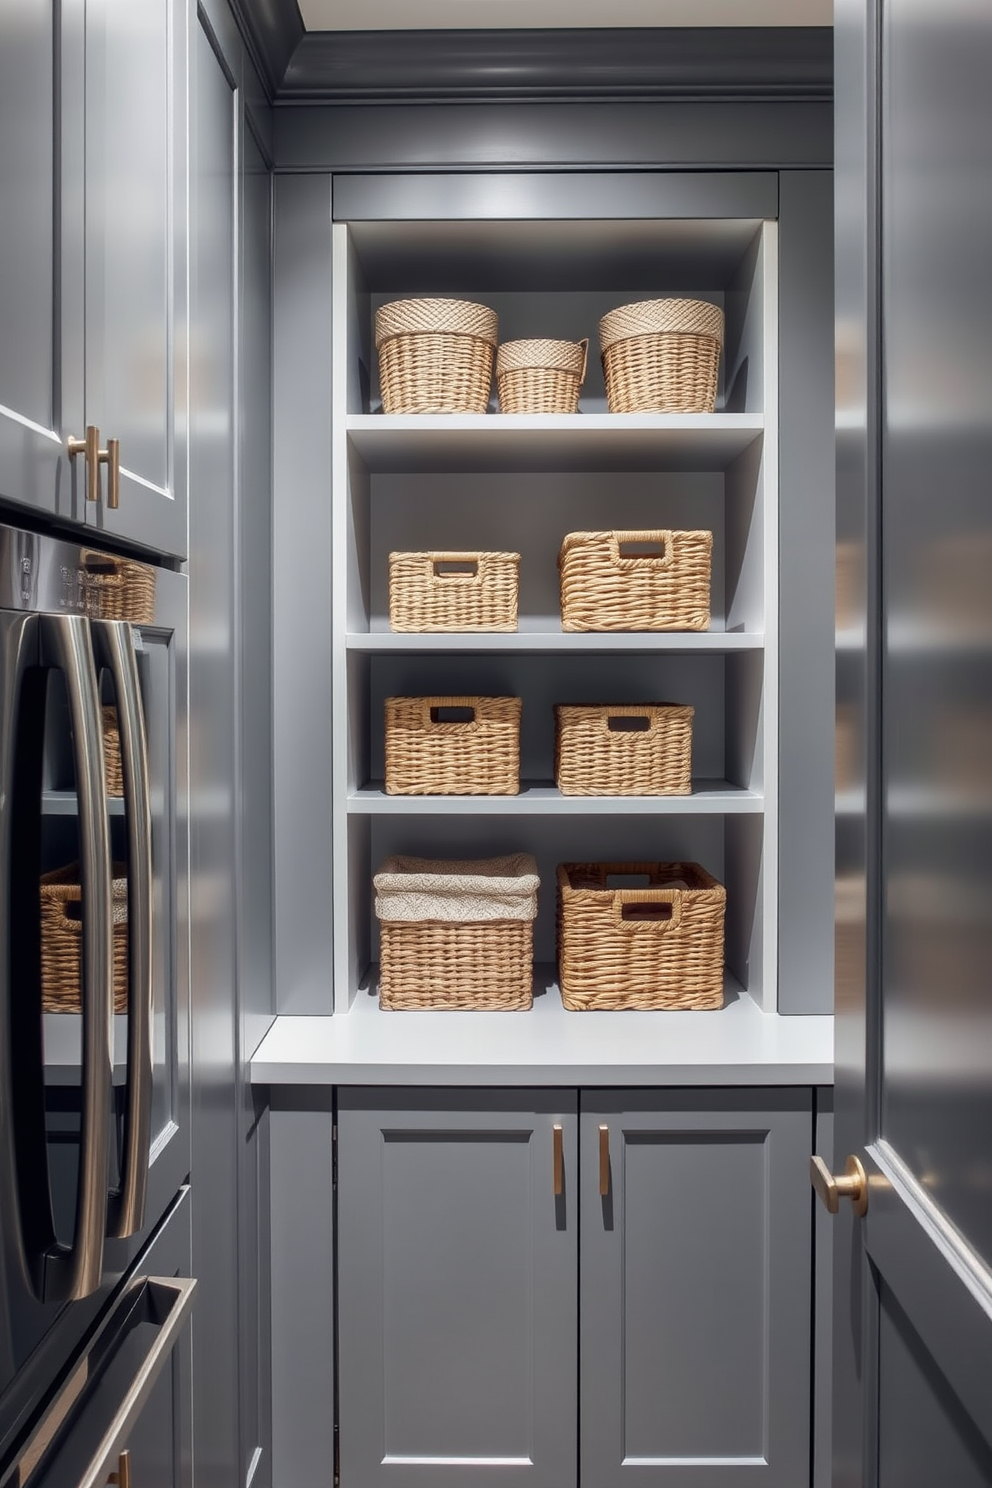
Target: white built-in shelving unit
462 483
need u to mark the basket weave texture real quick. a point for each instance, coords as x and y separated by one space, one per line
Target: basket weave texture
118 588
540 376
113 774
653 948
62 939
453 591
662 356
597 755
435 356
604 587
457 934
429 755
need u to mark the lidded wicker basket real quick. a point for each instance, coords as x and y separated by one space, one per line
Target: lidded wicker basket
457 934
435 356
452 746
626 749
662 356
652 580
62 939
540 376
648 948
453 591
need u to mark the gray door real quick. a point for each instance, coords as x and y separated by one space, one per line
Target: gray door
913 1302
457 1288
695 1289
135 276
39 44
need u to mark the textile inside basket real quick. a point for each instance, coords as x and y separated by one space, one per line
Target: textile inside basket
416 889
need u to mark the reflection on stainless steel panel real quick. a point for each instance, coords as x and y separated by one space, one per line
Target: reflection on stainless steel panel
937 457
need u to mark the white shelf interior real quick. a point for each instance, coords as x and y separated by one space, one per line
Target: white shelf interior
491 482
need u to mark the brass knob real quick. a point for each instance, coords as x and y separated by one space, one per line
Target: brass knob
852 1184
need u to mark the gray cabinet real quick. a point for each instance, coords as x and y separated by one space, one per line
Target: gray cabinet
650 1324
695 1288
457 1281
92 260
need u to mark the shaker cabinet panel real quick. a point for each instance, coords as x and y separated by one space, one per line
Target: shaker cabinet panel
33 471
695 1288
457 1326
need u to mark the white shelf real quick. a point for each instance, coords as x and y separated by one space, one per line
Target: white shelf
407 443
538 637
709 798
736 1045
66 803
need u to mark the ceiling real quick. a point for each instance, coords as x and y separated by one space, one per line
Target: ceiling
462 15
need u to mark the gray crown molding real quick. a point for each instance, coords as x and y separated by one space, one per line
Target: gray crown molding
771 63
434 66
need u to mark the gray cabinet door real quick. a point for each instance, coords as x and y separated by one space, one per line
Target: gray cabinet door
457 1289
695 1289
134 232
38 45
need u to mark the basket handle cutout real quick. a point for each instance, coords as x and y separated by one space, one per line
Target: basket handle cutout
456 568
639 548
452 714
628 723
659 910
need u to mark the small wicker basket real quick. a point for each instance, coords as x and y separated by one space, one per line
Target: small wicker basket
435 356
118 588
662 356
540 376
627 749
452 746
453 591
652 948
62 939
457 935
658 580
113 774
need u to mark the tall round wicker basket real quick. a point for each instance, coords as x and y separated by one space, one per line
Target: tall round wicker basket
662 356
435 356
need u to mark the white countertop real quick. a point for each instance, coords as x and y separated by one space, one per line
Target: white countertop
738 1045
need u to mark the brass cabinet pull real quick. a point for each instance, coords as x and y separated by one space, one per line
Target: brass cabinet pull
604 1161
90 448
558 1160
111 457
122 1477
851 1184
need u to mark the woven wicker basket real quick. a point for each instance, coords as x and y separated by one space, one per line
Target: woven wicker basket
453 591
113 774
662 356
435 356
430 752
656 580
118 588
540 376
629 749
644 948
62 939
457 935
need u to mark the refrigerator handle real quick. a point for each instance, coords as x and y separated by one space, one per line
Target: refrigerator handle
67 644
115 650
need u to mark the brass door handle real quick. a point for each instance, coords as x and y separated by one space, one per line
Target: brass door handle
604 1161
558 1160
90 449
851 1184
122 1477
111 457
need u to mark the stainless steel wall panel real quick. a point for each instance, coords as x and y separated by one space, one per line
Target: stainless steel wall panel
301 567
806 592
